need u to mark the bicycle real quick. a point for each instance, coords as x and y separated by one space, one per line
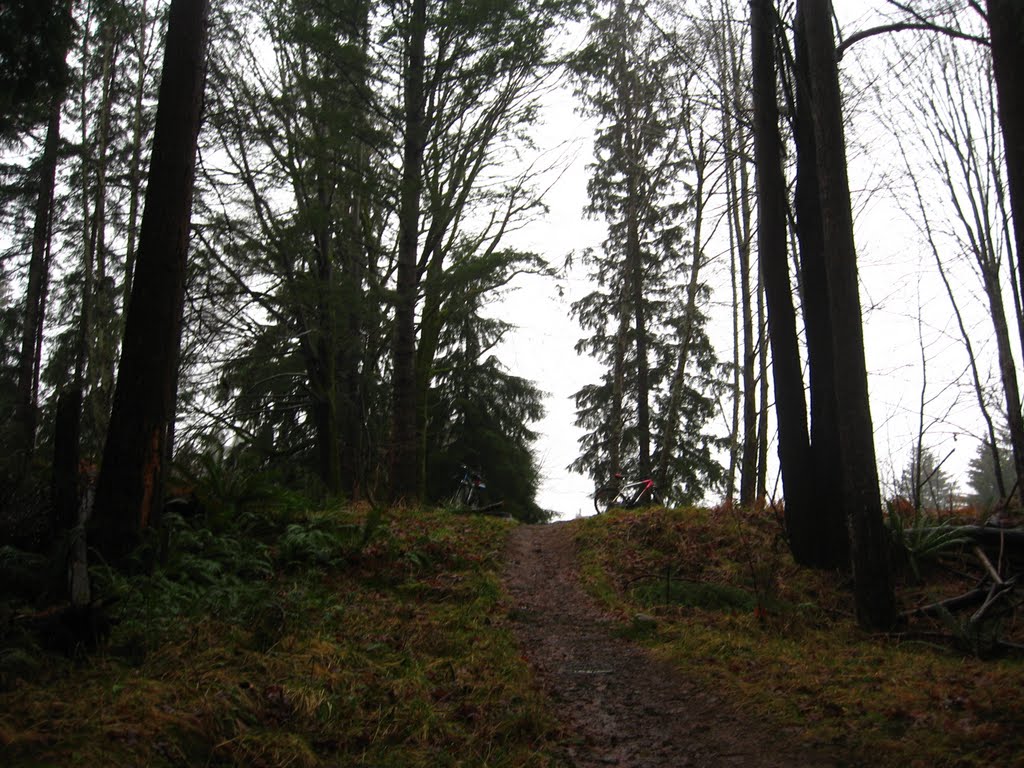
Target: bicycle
470 493
623 493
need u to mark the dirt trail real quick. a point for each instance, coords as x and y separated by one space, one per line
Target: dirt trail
621 706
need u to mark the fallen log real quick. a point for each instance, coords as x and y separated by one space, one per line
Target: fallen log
488 509
987 564
492 509
950 604
995 594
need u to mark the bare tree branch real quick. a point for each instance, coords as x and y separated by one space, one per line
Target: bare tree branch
902 27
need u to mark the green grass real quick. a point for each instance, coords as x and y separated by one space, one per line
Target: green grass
338 641
780 641
349 637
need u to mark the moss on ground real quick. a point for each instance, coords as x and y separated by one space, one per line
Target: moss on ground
340 638
736 612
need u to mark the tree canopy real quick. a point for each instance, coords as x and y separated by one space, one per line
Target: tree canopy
364 168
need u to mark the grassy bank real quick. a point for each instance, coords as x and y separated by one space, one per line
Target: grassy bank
327 639
733 610
350 638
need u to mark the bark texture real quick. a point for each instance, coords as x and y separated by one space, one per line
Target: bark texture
827 529
38 279
790 407
869 550
1006 22
129 492
404 461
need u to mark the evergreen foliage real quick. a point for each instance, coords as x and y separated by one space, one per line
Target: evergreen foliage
300 225
108 120
630 76
925 483
34 39
981 475
479 412
284 372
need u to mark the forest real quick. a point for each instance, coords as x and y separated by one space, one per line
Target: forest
253 256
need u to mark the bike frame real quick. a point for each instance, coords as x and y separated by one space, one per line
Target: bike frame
626 493
472 478
643 488
470 485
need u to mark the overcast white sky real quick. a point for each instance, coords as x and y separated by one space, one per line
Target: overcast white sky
541 349
895 281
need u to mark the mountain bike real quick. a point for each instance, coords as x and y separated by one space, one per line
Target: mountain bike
470 493
625 493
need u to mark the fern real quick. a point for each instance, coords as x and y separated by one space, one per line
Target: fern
231 494
313 542
204 572
922 540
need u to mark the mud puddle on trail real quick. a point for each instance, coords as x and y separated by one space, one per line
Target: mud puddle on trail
619 705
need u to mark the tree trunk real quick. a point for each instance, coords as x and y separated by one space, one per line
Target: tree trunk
731 84
325 420
790 408
734 421
1007 368
404 461
431 326
744 241
134 168
1006 25
974 166
38 278
350 354
81 354
729 87
128 495
979 390
350 357
327 324
670 426
762 388
634 257
748 461
643 411
354 268
827 525
99 345
615 416
66 434
869 546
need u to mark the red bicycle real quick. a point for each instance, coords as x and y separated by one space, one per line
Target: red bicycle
624 493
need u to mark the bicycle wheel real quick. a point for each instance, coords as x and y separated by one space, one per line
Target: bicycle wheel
605 498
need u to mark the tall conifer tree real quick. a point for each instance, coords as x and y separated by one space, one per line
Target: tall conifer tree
630 77
129 491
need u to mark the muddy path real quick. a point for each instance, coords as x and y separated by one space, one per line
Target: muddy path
620 706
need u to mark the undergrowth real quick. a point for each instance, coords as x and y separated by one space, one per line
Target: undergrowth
735 611
270 634
337 637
